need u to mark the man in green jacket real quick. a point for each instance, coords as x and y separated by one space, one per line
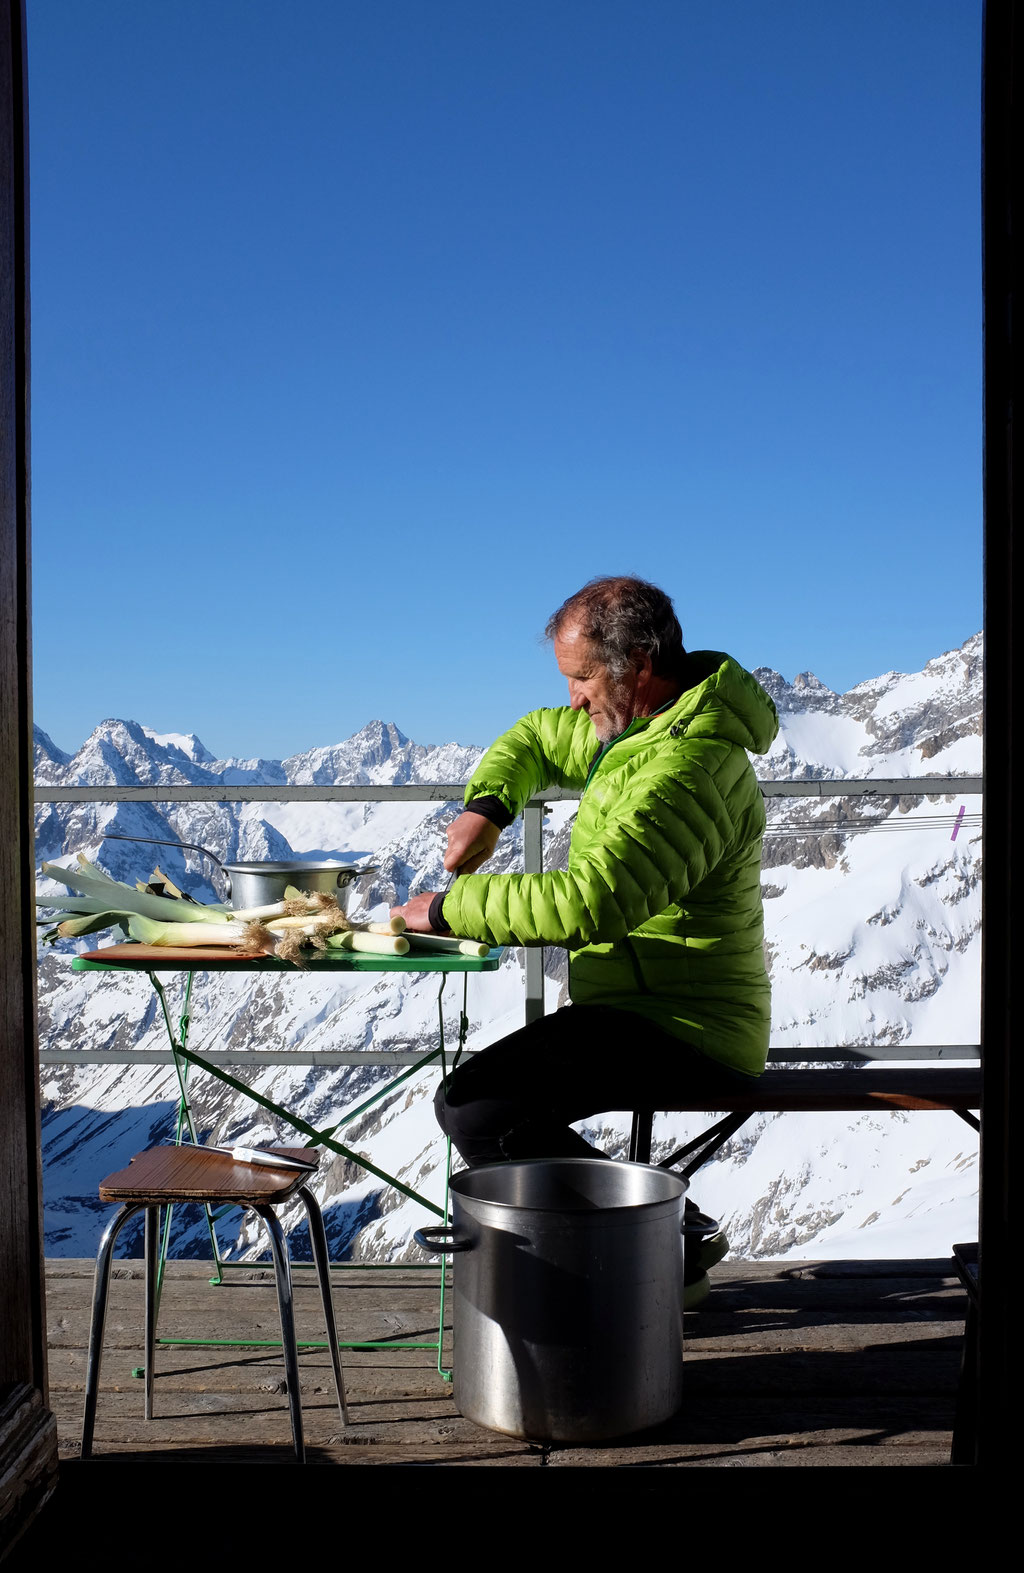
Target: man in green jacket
660 906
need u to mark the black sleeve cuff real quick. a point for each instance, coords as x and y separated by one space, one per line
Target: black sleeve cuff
436 915
491 808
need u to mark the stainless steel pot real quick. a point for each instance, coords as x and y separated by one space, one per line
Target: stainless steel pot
568 1296
258 884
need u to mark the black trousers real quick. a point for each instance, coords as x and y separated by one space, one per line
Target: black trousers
519 1098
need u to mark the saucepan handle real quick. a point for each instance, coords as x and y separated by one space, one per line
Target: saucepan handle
438 1246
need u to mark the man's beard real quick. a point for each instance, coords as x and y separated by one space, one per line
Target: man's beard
616 712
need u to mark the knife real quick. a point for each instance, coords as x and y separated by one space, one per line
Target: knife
269 1160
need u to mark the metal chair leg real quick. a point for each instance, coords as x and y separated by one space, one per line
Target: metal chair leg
282 1268
641 1130
101 1282
318 1240
152 1255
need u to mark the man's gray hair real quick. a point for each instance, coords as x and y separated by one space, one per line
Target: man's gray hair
623 618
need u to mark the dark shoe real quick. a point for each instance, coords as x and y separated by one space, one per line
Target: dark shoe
696 1293
709 1251
705 1252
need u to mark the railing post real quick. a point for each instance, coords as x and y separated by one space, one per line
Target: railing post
533 863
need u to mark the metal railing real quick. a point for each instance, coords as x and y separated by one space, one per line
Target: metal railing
447 792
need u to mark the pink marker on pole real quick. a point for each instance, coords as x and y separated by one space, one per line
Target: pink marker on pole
959 821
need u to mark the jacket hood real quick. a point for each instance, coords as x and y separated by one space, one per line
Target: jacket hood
724 700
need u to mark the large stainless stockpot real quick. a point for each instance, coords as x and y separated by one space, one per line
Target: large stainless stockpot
568 1296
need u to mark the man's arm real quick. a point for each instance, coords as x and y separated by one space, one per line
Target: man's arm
472 838
545 748
644 854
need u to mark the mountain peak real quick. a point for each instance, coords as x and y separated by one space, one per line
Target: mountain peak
186 743
380 734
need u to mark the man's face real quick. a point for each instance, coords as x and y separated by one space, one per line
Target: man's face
608 701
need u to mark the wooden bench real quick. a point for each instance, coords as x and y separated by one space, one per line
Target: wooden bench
826 1080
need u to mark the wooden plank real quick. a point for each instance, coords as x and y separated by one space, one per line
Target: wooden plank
880 1270
811 1333
410 1373
59 1268
814 1454
250 1318
887 1277
212 1416
895 1368
510 1455
837 1296
504 1453
734 1419
739 1423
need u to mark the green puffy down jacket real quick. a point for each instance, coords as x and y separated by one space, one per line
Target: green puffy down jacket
660 907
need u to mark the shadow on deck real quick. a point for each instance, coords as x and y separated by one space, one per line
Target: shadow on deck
788 1364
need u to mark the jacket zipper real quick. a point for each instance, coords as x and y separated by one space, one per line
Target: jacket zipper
605 748
627 733
634 959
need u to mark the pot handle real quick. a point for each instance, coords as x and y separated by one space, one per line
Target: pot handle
699 1223
348 876
439 1247
190 846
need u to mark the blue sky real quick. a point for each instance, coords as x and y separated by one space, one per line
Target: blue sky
364 331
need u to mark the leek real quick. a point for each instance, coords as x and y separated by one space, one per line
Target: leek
307 925
149 933
377 944
159 877
103 892
274 909
448 944
89 923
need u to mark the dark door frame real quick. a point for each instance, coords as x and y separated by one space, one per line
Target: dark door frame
28 1435
1002 928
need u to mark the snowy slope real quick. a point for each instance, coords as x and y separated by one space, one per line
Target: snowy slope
871 937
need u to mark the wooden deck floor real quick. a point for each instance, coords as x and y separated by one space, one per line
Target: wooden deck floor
832 1363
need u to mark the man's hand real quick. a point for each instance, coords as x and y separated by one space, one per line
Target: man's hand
471 841
416 913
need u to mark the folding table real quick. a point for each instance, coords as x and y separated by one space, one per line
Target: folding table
190 961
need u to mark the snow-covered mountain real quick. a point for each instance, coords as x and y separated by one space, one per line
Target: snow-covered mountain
872 922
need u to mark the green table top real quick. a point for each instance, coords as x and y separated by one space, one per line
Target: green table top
344 961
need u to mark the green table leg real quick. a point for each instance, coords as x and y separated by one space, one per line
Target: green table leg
178 1041
184 1058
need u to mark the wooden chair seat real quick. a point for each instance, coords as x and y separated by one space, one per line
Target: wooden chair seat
198 1174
